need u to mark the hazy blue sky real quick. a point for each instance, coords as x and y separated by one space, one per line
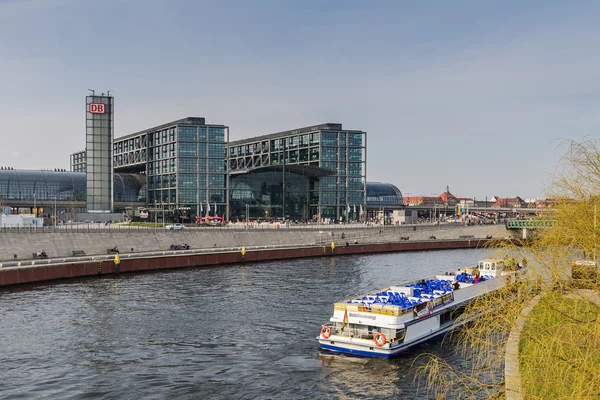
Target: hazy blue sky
469 94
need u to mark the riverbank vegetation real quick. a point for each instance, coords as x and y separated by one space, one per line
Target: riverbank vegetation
559 348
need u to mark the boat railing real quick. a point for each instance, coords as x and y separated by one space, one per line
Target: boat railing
376 308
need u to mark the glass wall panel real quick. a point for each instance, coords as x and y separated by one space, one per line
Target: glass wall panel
188 180
216 149
355 139
263 192
202 134
329 139
188 165
329 153
216 181
216 134
188 149
188 133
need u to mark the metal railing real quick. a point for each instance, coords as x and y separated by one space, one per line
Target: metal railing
530 223
325 228
175 253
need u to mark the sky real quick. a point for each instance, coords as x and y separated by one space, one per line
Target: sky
476 95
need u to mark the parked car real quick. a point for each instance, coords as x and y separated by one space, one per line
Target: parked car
174 227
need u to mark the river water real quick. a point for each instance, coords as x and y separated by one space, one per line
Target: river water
228 332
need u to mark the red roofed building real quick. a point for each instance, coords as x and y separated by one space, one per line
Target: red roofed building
508 202
444 199
422 200
448 198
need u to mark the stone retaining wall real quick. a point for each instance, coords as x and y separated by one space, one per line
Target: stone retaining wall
61 243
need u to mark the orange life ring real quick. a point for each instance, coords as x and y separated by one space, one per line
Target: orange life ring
326 331
379 339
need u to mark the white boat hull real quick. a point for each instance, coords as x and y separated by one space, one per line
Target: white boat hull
346 334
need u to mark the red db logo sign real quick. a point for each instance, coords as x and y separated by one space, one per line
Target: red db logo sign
96 108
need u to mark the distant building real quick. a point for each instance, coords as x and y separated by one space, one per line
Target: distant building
304 173
541 203
444 199
99 153
508 202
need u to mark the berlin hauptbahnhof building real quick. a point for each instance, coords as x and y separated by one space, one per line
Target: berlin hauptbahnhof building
188 168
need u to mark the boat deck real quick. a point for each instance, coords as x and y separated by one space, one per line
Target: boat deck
402 299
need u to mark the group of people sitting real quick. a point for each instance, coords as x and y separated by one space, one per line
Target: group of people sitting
182 246
41 254
114 250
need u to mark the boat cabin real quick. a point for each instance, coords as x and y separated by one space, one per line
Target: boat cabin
491 267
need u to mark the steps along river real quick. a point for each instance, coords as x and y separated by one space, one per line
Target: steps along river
228 332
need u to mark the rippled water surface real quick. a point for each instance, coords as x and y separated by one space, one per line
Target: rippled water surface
229 332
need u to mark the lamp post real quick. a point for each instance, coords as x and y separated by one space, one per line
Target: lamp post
247 215
35 215
54 212
594 255
283 182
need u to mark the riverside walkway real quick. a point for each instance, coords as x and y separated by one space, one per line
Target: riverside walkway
19 244
20 272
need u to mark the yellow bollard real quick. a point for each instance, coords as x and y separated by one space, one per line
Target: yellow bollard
243 251
332 247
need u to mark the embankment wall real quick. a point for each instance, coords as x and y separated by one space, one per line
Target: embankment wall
61 243
89 268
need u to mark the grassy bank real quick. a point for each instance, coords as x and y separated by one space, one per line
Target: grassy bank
560 349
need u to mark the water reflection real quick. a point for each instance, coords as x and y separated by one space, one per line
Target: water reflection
353 377
240 331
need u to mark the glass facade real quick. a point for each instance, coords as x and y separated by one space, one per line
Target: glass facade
186 167
339 153
383 195
261 194
30 185
99 157
191 164
78 162
345 153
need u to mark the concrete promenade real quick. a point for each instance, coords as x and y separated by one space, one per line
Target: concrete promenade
29 271
95 239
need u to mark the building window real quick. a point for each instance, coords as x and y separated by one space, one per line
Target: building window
355 139
188 133
188 149
188 180
329 153
216 181
188 164
216 165
216 149
202 134
216 134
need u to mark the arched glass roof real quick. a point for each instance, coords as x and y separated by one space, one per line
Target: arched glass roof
17 184
383 194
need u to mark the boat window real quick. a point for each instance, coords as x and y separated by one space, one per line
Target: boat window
493 266
400 333
446 317
481 265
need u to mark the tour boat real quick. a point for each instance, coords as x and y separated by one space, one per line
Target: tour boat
385 322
